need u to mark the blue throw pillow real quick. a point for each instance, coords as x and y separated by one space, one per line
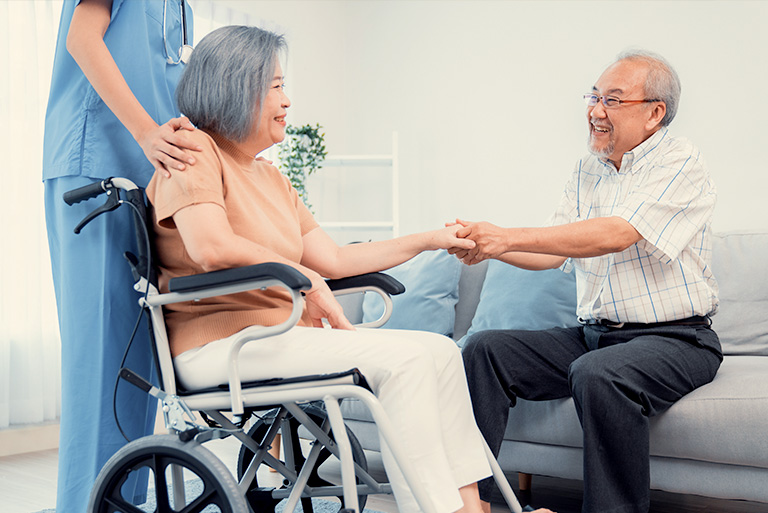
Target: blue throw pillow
513 298
431 282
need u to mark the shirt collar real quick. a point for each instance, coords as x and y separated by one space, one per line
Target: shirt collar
231 149
637 154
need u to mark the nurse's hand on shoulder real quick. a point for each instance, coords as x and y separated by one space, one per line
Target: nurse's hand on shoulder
167 146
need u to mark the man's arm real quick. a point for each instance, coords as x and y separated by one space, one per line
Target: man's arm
547 247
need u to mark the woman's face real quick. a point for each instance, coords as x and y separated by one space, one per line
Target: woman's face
271 128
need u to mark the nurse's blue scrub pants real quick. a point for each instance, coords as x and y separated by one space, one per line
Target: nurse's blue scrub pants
97 309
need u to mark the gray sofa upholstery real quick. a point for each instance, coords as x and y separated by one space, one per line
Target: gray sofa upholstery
713 442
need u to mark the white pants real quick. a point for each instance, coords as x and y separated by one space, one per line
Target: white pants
417 376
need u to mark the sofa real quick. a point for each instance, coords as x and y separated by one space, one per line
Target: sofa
713 442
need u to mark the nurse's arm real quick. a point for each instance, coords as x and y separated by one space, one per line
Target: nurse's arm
163 145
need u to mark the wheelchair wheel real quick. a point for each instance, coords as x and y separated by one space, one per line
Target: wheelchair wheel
209 485
260 498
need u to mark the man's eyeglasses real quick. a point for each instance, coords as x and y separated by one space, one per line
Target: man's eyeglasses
610 102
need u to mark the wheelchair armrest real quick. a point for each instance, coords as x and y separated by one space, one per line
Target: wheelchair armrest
285 273
386 283
378 283
230 281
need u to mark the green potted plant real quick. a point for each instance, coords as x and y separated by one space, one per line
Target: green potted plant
301 154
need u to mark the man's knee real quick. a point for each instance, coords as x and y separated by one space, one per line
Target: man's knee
590 372
478 350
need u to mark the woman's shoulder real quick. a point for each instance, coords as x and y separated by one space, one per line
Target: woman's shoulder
270 171
202 138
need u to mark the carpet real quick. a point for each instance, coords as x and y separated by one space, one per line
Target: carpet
193 488
319 505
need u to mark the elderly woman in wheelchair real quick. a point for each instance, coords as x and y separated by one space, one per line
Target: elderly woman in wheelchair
230 210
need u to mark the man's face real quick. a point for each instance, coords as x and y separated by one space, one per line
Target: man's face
615 131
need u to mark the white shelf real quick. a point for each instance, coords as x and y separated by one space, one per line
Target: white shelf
357 160
370 161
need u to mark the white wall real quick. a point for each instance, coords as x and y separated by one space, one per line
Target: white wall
486 95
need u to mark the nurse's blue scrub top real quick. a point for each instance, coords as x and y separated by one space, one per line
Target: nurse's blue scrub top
83 137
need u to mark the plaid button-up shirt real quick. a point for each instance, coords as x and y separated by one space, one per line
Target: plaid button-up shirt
663 189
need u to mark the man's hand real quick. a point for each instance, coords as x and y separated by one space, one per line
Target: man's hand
166 146
490 241
322 304
460 250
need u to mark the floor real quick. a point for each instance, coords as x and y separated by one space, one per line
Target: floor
28 485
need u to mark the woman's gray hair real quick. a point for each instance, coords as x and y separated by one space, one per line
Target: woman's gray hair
662 82
227 78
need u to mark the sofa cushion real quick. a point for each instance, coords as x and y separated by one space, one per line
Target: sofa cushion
470 286
723 421
514 298
739 265
431 282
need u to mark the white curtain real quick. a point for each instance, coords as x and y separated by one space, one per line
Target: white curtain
29 340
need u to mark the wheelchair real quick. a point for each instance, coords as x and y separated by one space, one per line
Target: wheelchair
184 475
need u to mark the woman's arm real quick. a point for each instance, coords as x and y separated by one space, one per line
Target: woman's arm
323 255
163 145
211 243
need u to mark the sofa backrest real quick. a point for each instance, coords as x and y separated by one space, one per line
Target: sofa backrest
740 265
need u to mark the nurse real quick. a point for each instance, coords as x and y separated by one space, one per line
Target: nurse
111 112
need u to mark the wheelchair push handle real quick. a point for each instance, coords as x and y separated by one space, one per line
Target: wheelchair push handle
93 190
84 193
110 186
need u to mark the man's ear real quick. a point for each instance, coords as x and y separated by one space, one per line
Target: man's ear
656 115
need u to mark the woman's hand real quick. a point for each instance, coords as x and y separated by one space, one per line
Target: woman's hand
322 304
449 238
166 145
461 251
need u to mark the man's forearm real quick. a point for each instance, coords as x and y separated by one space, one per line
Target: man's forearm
532 261
582 239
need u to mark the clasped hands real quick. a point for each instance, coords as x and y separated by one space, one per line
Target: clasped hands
490 241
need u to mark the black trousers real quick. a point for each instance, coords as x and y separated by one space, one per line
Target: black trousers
618 378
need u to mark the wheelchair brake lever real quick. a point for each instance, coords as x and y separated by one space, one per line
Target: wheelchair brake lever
113 201
175 411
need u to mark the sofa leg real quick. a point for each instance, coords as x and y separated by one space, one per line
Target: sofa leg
524 485
275 449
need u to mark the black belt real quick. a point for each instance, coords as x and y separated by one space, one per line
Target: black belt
696 320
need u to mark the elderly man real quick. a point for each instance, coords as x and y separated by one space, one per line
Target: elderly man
634 224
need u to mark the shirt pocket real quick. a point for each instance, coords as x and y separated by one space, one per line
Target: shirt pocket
154 10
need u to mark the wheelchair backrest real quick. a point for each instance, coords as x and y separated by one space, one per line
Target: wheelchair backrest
121 191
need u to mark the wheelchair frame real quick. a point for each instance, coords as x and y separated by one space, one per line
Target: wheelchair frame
288 394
